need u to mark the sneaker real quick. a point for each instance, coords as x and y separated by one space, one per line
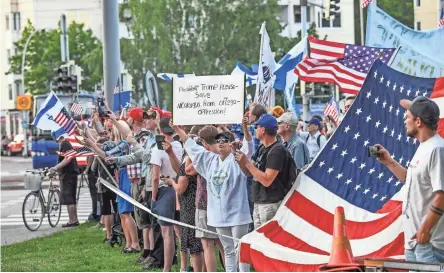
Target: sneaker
99 225
138 260
148 260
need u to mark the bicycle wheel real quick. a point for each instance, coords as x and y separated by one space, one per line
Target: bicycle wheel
33 211
54 208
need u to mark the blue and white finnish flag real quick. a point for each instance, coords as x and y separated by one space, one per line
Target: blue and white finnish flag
250 76
284 72
169 76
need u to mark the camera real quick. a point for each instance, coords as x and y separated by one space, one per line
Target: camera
373 151
236 146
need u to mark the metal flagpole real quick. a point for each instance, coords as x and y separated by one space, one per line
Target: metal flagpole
260 71
361 15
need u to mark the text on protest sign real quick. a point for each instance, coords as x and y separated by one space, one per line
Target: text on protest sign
208 100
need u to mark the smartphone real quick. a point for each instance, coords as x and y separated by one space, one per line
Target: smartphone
373 151
159 140
236 146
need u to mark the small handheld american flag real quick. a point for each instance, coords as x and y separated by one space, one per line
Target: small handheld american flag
76 152
441 19
117 87
365 3
76 108
331 109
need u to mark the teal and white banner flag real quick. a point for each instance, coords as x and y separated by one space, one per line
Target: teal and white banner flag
420 52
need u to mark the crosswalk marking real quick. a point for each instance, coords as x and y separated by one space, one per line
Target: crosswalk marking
83 210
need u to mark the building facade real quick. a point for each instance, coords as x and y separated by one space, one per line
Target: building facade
43 14
338 29
427 13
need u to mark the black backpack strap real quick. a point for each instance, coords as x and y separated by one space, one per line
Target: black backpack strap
308 136
318 140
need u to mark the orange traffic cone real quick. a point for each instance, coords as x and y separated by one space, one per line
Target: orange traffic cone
341 256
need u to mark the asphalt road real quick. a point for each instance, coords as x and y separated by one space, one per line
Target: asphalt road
12 196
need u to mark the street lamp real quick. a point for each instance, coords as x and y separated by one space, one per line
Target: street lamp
25 116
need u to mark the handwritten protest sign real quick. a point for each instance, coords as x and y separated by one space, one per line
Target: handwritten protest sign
208 100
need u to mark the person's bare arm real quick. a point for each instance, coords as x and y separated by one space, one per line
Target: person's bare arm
172 156
155 181
384 157
435 213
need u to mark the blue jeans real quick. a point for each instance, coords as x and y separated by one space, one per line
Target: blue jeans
425 253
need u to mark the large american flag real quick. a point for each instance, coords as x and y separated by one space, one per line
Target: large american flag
343 64
331 109
66 121
441 19
299 237
76 108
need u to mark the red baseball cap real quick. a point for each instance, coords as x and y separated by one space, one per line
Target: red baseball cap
136 114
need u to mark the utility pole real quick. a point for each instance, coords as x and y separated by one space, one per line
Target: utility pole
305 106
64 42
111 48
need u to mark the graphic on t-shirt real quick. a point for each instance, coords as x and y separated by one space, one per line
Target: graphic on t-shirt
217 182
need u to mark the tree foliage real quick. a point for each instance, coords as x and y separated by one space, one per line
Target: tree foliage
401 10
43 56
197 36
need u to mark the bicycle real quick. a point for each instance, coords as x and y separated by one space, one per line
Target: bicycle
35 206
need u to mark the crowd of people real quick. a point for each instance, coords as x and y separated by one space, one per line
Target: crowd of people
223 179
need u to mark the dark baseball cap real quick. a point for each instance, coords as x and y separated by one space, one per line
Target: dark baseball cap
225 135
314 121
164 125
424 108
267 121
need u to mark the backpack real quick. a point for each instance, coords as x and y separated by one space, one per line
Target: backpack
292 171
318 140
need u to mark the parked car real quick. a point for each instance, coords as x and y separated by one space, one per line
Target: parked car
16 146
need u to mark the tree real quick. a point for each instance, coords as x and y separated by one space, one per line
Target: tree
43 56
201 36
399 9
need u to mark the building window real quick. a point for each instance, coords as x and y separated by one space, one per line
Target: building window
16 20
7 22
18 88
418 3
337 20
418 26
8 56
11 93
298 14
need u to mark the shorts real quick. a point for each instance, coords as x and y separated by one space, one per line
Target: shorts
165 205
264 212
143 218
201 222
177 215
109 204
68 189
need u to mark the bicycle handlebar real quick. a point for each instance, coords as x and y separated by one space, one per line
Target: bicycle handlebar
43 171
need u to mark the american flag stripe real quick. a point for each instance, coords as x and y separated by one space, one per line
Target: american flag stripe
365 3
81 160
441 19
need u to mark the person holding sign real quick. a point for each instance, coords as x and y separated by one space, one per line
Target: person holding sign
228 208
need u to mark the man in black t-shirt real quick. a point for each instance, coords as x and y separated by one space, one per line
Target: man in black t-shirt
68 172
268 168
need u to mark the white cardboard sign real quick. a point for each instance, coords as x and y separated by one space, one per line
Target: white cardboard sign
208 100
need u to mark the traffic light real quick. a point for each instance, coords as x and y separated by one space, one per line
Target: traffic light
68 78
59 82
335 8
331 8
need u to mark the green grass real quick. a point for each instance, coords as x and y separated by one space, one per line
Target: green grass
78 249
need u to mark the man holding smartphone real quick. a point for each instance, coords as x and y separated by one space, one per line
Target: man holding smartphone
423 202
163 196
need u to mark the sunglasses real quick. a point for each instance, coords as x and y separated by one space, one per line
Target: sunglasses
149 115
222 140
